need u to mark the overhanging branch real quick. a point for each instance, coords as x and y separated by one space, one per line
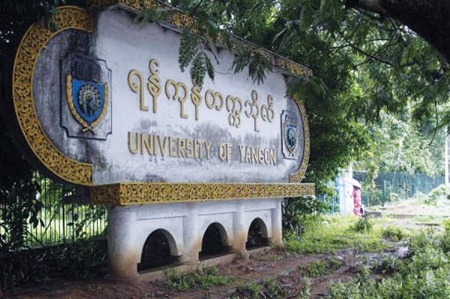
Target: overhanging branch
368 5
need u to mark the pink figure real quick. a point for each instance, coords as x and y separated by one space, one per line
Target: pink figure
357 202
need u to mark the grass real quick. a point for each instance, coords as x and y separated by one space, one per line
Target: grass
322 267
423 273
267 289
393 233
203 279
332 233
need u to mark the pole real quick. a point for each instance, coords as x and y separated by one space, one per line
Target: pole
446 156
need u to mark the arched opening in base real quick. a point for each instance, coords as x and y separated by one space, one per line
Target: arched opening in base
215 242
257 235
157 251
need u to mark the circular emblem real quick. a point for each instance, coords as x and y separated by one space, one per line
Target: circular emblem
291 137
89 99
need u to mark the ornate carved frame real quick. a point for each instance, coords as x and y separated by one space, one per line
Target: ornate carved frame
34 40
80 173
151 193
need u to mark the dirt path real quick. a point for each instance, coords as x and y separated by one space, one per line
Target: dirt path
288 271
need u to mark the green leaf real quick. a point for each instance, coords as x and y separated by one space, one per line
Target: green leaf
209 68
188 50
198 69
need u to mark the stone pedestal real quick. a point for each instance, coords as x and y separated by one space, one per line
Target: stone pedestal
184 225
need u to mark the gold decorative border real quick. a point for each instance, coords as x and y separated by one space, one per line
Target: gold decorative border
298 176
182 21
152 193
34 40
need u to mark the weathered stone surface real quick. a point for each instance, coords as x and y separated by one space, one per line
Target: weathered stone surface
189 137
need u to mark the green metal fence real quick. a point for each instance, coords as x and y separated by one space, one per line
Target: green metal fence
391 186
58 222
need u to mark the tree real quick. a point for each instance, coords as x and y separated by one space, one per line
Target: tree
365 56
18 186
401 146
364 64
429 19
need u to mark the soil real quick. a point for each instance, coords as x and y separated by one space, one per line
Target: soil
288 271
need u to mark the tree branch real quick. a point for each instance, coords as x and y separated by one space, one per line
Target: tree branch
367 5
429 19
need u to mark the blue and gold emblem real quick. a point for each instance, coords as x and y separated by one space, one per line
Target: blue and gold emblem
88 101
290 135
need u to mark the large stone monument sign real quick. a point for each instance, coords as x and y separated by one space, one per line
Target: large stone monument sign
102 103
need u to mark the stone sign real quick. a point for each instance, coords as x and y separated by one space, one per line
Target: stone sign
104 102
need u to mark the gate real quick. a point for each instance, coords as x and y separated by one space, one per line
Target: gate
57 221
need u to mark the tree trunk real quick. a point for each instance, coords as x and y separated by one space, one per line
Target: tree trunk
430 19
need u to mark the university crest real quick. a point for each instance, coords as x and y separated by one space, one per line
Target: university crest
88 102
290 135
87 111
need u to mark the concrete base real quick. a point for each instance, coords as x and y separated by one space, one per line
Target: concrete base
184 225
159 273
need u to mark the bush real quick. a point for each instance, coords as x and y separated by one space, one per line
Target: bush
362 226
393 233
387 266
298 213
446 224
440 192
82 260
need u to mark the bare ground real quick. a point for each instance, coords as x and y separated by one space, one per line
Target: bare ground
287 270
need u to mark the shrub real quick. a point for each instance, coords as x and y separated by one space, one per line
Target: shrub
298 213
446 224
393 233
363 225
440 192
81 260
387 266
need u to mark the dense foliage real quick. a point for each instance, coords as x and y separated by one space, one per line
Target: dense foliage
18 186
400 145
84 259
368 70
